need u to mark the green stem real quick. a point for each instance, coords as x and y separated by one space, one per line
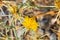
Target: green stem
15 33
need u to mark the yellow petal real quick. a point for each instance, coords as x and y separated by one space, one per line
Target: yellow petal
57 4
30 23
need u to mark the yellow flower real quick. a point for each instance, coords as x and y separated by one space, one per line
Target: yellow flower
26 22
12 8
57 4
30 23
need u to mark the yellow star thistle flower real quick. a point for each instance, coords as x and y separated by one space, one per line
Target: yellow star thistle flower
57 4
30 23
12 8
